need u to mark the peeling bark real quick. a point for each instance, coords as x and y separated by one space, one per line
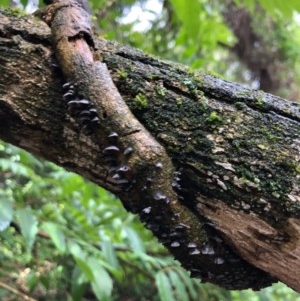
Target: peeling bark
237 151
257 241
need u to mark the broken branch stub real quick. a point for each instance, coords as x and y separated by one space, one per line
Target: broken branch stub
136 163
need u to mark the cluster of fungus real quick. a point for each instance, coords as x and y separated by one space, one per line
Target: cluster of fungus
118 169
80 108
86 115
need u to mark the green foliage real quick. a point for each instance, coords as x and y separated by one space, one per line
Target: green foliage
56 235
27 221
274 7
189 15
77 238
200 22
4 3
6 210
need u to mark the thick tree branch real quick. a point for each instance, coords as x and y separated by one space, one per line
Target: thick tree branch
135 162
235 148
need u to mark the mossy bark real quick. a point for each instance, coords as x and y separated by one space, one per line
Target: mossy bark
237 150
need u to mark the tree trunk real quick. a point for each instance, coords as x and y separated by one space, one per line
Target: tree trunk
236 153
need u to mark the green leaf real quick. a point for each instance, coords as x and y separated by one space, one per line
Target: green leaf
79 284
28 224
80 259
75 249
85 268
134 240
179 287
56 235
273 6
32 281
188 283
188 14
45 280
102 284
6 210
164 287
109 253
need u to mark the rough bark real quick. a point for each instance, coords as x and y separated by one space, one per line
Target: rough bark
237 152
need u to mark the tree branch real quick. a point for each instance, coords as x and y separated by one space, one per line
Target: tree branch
16 292
231 146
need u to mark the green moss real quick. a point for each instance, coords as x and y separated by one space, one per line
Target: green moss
245 173
259 101
240 105
15 12
286 165
154 77
242 94
178 101
141 101
122 74
160 91
190 85
216 74
214 118
270 134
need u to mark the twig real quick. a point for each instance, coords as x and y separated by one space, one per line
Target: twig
16 292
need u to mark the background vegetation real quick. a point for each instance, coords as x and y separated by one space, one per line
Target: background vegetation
63 238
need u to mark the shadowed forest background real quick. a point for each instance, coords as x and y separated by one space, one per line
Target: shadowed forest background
63 238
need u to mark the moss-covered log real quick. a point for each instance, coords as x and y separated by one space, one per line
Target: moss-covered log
237 151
